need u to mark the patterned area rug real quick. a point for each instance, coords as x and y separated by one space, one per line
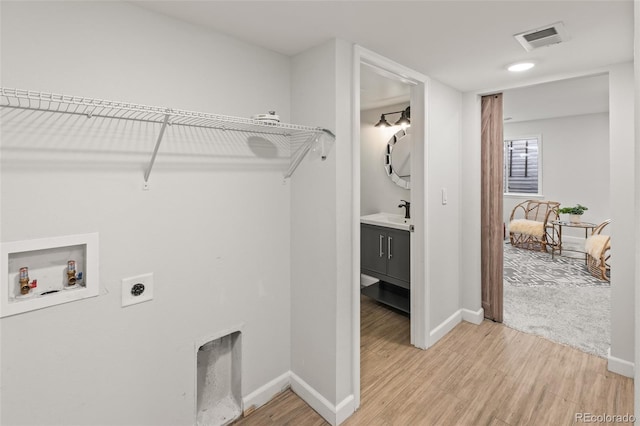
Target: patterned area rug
534 269
557 299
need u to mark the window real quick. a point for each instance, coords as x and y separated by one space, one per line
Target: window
522 168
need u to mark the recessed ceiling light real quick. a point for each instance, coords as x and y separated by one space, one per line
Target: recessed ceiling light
521 66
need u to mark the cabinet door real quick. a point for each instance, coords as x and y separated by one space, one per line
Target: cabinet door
398 249
373 249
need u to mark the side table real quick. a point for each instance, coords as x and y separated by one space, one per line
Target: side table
559 224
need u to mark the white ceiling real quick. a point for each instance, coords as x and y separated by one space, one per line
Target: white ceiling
378 91
561 98
465 44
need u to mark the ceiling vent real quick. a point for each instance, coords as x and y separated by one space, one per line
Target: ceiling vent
543 36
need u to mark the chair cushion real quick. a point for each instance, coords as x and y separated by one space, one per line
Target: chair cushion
528 227
596 244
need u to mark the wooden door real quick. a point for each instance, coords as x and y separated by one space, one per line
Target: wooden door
491 206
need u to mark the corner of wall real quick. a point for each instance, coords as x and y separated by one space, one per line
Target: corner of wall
474 317
321 205
470 266
620 366
334 414
266 393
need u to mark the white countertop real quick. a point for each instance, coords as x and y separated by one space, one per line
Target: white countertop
388 220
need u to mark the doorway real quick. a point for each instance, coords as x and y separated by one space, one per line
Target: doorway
568 119
385 189
417 84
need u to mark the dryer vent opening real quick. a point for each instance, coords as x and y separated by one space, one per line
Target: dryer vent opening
219 400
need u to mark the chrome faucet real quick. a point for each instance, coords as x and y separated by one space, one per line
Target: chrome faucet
406 206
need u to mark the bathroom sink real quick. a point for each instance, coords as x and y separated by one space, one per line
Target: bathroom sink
396 218
388 220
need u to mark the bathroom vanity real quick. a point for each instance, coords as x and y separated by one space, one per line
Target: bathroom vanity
385 254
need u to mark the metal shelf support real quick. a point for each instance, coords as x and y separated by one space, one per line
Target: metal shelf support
155 151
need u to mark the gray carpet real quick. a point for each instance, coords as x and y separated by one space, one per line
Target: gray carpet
556 299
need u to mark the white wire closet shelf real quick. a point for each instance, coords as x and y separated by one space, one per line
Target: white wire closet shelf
300 137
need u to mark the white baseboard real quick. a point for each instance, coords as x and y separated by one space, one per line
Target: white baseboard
456 318
620 366
446 326
265 393
332 414
473 317
345 409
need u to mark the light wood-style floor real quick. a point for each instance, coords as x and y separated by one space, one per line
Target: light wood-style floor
476 375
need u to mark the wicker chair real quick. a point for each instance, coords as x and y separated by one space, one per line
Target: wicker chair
598 249
530 224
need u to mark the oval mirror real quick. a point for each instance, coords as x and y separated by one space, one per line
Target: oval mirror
397 159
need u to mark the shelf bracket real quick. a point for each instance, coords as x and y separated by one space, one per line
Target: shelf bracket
315 138
155 151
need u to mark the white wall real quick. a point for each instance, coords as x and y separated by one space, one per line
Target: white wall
321 243
471 190
378 192
215 234
443 172
313 221
622 153
345 367
575 163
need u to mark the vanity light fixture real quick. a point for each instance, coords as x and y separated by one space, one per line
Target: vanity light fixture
404 118
521 66
383 122
403 121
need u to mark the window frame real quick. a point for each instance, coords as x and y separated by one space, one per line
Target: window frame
538 194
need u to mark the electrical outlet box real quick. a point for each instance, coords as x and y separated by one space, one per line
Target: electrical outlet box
137 289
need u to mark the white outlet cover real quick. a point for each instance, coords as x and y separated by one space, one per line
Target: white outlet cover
128 298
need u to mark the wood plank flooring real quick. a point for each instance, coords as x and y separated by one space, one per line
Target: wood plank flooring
476 375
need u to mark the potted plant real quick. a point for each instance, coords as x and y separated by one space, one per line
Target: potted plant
573 212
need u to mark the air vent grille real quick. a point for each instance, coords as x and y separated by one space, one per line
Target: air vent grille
547 32
544 36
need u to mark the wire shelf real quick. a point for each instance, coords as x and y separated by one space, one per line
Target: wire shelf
301 137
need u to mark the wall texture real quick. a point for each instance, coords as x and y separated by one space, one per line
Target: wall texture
214 228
